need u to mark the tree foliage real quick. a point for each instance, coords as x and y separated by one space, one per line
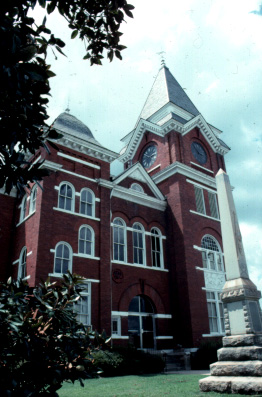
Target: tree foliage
24 73
41 342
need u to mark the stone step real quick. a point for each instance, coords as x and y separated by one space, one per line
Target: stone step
240 353
232 384
236 368
242 340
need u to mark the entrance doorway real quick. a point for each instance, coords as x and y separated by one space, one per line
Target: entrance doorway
141 322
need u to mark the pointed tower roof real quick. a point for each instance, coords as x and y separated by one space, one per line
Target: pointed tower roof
165 90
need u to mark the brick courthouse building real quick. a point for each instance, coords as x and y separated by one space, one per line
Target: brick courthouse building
148 241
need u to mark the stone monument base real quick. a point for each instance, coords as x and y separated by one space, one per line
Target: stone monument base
239 366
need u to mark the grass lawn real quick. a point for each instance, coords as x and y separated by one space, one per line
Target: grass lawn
140 386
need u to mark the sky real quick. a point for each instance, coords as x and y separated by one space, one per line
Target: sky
214 50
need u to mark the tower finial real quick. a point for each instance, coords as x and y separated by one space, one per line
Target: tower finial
67 109
161 54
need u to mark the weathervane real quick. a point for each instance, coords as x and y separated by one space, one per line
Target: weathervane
163 61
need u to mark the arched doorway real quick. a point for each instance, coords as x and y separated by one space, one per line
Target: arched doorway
141 324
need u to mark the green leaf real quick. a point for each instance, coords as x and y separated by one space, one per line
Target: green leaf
50 73
51 6
74 34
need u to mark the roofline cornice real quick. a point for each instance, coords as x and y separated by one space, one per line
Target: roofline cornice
82 146
179 168
170 125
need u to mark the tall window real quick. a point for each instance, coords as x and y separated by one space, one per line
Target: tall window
211 254
200 202
86 240
215 312
66 197
22 264
156 248
23 208
213 205
63 258
87 202
119 240
83 306
33 199
138 244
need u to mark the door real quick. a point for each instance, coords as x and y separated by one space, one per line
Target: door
141 325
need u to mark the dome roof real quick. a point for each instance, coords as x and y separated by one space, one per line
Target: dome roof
69 124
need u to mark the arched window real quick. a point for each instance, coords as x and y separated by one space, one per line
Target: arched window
66 197
211 254
86 240
119 240
87 202
139 244
22 264
137 187
63 258
23 208
33 199
156 248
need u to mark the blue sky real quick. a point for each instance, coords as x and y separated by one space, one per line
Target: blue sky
214 49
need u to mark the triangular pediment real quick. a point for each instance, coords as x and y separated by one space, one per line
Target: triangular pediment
138 173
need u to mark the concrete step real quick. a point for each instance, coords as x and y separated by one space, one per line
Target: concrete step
236 368
240 353
232 384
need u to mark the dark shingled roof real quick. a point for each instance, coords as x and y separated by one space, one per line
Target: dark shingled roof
69 124
166 89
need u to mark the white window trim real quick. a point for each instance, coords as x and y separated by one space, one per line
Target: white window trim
164 337
125 241
142 231
24 249
205 216
140 266
25 219
76 213
215 252
22 213
34 190
88 283
216 301
93 202
79 255
92 241
73 196
161 247
118 319
70 266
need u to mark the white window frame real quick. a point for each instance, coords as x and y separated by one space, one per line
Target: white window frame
23 209
70 265
33 196
207 255
123 227
159 235
200 200
72 209
218 318
22 264
92 241
85 292
116 319
92 203
214 213
143 248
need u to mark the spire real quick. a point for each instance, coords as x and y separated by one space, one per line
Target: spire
165 90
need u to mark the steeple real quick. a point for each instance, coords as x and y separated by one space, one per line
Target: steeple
166 90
